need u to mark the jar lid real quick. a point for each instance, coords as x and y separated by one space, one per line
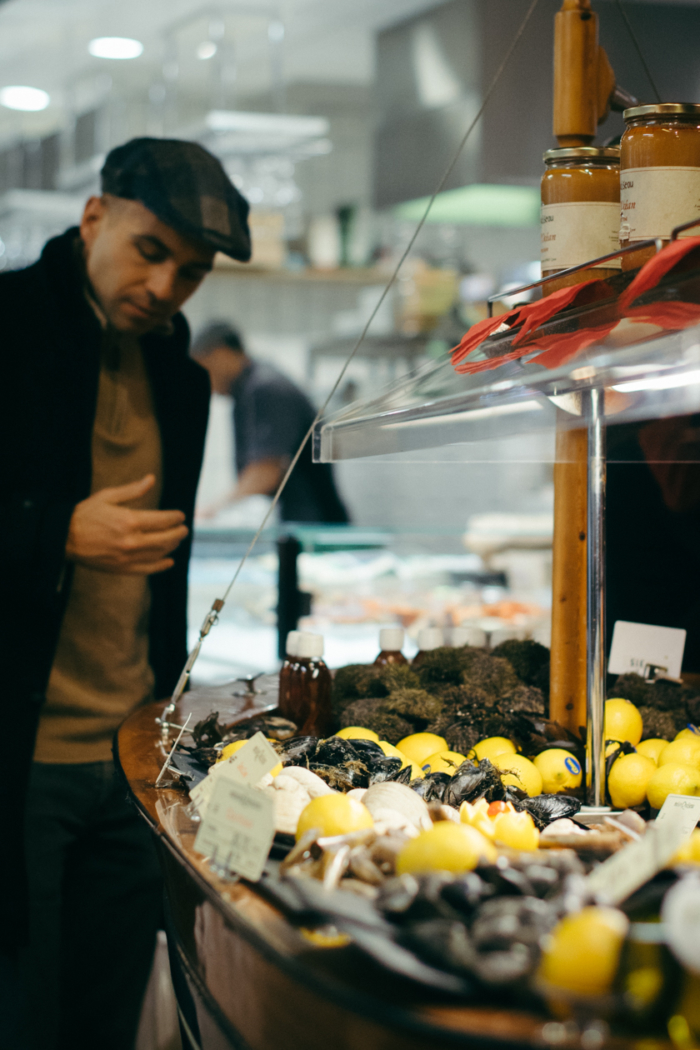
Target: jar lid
430 638
391 639
664 109
309 645
582 153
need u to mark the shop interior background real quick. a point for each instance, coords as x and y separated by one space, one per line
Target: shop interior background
336 119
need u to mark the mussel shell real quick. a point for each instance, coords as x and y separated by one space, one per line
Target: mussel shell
403 776
506 880
344 777
336 751
545 808
474 780
367 749
432 787
444 943
298 751
466 893
382 769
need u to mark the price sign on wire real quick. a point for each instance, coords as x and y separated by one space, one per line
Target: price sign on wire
238 829
256 758
618 877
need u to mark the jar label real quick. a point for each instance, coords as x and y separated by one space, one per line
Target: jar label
575 232
655 200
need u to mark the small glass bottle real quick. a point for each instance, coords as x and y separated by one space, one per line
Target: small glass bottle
390 643
286 672
310 687
429 638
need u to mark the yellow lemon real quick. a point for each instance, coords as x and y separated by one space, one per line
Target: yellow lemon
520 771
334 814
689 853
672 779
357 733
581 954
477 816
686 750
559 769
651 748
443 762
493 745
628 780
516 830
447 846
622 721
393 752
690 732
419 746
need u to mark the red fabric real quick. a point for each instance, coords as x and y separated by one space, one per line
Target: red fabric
556 350
657 267
672 315
470 367
536 314
479 332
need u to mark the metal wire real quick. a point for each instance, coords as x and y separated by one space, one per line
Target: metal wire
212 616
638 49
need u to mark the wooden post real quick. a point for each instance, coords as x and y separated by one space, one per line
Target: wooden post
583 78
567 703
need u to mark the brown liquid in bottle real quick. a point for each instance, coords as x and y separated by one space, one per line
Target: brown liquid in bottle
308 698
428 639
390 640
285 678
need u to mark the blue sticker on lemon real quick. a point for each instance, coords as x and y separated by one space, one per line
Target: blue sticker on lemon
572 765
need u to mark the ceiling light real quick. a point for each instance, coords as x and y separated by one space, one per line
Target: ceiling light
207 49
115 47
26 98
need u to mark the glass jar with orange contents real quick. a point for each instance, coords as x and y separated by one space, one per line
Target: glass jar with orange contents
580 212
659 174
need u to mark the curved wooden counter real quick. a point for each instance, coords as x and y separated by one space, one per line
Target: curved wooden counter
255 980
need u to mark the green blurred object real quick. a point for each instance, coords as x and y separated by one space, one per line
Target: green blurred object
478 205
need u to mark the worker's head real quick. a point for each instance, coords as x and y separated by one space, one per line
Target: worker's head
220 350
149 240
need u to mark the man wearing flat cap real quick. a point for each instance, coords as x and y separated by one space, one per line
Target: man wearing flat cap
103 423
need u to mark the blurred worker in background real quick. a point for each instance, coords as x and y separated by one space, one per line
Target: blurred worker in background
102 431
271 418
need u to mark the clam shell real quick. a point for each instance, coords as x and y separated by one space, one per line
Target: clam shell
398 797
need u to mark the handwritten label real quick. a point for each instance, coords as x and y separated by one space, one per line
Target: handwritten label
641 648
628 869
238 829
256 758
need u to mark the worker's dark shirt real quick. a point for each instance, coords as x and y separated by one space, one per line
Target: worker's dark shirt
271 418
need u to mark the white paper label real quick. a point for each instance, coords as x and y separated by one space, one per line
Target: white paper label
238 829
574 233
256 758
655 200
633 865
639 648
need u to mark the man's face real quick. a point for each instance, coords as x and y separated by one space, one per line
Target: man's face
141 270
223 365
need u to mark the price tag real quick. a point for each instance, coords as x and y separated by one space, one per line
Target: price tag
628 869
641 648
256 758
238 828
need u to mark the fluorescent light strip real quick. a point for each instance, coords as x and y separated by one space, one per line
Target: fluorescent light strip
659 382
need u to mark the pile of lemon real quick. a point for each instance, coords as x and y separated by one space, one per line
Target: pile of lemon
656 768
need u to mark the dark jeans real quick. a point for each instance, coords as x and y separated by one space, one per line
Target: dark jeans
95 906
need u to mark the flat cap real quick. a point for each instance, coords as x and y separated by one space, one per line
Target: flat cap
185 187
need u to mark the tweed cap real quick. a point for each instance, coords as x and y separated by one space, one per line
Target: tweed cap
185 187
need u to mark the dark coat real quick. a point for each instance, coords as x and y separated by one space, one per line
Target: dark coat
49 347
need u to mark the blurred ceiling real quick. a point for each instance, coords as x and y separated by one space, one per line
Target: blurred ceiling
44 44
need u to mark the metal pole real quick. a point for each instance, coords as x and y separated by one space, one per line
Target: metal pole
595 605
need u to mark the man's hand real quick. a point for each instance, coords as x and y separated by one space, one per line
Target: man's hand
105 535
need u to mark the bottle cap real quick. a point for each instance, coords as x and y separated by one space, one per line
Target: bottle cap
292 640
391 639
309 645
429 638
